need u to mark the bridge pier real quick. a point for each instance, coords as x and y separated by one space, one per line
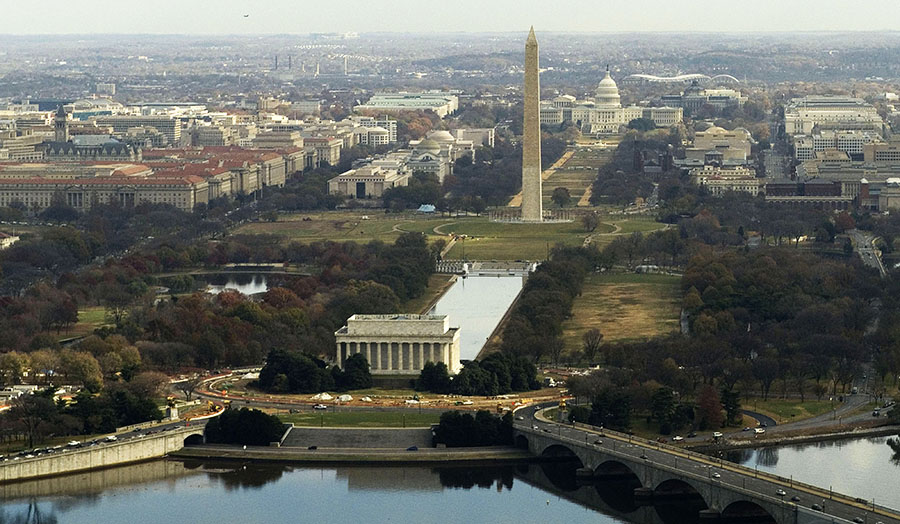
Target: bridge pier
710 515
643 496
584 473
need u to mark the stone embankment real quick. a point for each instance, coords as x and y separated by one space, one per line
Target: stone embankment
103 455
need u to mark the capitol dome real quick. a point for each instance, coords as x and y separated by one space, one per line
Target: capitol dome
607 92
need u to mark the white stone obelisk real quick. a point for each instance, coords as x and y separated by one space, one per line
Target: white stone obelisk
532 207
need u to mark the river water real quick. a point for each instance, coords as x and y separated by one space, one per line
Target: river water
172 491
167 491
865 467
476 304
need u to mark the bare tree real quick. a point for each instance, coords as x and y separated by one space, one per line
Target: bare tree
188 386
591 341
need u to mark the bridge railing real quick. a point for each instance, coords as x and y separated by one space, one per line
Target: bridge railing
830 494
637 441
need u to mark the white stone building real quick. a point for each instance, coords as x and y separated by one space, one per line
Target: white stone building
367 182
804 114
442 104
399 344
604 114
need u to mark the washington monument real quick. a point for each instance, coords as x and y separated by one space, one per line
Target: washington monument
531 140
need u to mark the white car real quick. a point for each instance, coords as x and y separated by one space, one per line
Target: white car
717 434
759 431
677 438
112 438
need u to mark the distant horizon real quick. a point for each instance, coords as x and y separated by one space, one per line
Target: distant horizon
507 32
241 17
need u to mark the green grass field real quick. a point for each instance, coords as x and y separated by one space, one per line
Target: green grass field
624 306
339 226
486 240
411 418
788 410
89 319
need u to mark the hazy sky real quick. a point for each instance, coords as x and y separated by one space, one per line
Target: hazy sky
305 16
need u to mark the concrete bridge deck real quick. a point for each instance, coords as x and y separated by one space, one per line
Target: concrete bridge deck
727 491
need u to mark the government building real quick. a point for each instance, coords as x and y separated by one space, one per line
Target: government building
603 114
399 344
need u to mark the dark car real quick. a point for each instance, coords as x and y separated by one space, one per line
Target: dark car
313 448
412 448
816 507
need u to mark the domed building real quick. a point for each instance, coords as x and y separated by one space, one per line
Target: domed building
604 114
437 153
607 93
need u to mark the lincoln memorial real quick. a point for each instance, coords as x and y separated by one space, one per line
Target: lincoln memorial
399 344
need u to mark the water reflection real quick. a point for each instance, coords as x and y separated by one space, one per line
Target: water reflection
468 478
246 284
32 514
863 467
894 444
477 304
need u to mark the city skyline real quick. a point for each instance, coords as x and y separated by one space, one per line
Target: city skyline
275 17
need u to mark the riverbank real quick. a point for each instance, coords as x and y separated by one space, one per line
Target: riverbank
880 431
493 455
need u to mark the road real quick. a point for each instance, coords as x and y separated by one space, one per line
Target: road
708 468
864 243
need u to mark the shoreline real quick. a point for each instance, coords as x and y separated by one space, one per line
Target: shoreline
880 431
499 455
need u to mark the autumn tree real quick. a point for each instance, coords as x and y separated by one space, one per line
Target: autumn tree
709 408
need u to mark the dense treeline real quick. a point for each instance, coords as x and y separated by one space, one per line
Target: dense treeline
618 182
534 326
34 417
460 429
768 321
496 173
496 374
249 427
295 372
228 329
104 230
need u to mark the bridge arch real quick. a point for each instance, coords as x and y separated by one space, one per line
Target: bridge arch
193 439
561 466
615 483
522 442
678 502
746 512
